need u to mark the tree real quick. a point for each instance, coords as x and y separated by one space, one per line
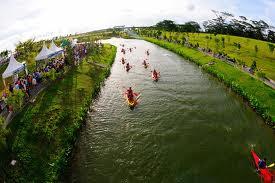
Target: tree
259 28
223 45
271 47
253 66
16 100
167 25
261 74
69 57
189 27
271 36
218 25
3 133
4 54
217 41
256 49
182 39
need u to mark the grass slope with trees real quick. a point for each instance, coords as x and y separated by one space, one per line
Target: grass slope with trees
244 51
42 135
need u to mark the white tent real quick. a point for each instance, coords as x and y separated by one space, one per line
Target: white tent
13 67
44 53
74 42
55 50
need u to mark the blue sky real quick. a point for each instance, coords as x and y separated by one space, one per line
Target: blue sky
24 19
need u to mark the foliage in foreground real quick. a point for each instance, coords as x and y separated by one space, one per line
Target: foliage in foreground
260 97
44 133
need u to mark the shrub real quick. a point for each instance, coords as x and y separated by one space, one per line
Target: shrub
16 100
253 66
261 74
223 45
271 47
3 133
238 45
256 49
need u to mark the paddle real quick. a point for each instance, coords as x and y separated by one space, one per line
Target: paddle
271 165
138 96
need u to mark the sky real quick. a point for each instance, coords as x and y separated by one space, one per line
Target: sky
25 19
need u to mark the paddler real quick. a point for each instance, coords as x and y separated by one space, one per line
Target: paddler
155 74
144 62
262 163
130 94
128 67
122 60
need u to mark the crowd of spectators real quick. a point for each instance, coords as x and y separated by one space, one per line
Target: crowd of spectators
30 81
80 51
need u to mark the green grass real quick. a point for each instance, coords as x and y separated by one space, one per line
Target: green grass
264 58
43 133
260 96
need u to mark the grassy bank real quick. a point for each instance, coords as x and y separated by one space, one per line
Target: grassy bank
43 133
244 51
250 49
260 97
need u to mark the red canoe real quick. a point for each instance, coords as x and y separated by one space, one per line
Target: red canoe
265 174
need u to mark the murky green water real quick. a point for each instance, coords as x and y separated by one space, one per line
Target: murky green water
188 127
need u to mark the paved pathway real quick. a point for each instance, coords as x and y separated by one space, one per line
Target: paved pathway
245 69
34 93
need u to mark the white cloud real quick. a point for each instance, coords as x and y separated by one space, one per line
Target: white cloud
269 10
23 19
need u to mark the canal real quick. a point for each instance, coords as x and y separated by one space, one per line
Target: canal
188 127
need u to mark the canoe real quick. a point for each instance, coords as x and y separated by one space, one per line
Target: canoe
134 102
266 175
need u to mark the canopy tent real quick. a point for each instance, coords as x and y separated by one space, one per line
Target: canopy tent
55 50
13 67
44 53
74 42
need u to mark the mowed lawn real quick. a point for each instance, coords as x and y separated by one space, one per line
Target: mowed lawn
247 52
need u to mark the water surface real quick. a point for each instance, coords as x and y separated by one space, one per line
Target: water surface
188 127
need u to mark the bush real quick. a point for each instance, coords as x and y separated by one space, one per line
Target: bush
3 133
238 45
253 66
271 47
256 49
223 45
16 99
261 74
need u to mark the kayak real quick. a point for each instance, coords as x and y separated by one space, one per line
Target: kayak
145 65
265 174
134 102
155 78
128 68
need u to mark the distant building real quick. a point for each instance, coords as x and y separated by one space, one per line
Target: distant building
119 27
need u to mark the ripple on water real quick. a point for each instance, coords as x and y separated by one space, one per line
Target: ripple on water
187 127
